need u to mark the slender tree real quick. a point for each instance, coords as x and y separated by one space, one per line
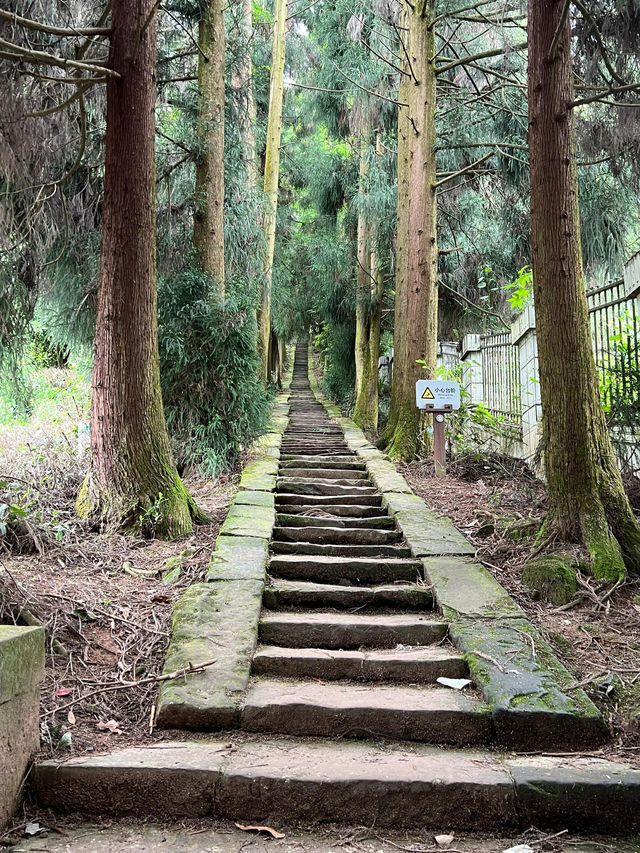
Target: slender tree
416 298
271 177
208 219
249 115
587 501
131 469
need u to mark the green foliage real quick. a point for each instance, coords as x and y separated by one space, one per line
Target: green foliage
214 403
336 344
521 290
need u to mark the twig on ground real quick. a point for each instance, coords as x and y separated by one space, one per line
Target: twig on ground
152 679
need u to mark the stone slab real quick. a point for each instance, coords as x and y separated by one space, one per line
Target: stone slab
254 498
260 475
178 780
464 588
211 620
427 533
21 671
349 630
330 569
385 476
238 558
246 520
281 594
523 681
431 714
583 795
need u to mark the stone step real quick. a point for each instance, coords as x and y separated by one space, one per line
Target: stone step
417 665
283 594
292 781
380 522
338 550
425 714
339 475
326 466
337 486
333 536
309 501
351 569
328 459
348 630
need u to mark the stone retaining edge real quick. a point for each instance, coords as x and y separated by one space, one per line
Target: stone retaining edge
218 618
519 675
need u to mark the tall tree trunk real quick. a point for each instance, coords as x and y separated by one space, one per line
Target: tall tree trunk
249 116
131 471
369 285
587 501
271 177
416 301
208 218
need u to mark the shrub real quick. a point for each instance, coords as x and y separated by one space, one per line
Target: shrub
214 402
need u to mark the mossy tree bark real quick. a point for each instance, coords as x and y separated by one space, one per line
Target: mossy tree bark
271 177
587 500
416 299
208 217
131 468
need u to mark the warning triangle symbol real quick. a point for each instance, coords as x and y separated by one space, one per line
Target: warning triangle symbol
427 394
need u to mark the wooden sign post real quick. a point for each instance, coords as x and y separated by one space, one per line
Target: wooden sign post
438 398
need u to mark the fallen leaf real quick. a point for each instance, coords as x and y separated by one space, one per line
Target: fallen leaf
454 683
34 828
267 829
71 717
443 841
110 726
520 848
64 691
65 741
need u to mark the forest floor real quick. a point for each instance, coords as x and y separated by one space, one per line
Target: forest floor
104 598
497 504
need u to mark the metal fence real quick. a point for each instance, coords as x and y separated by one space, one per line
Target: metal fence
615 331
501 379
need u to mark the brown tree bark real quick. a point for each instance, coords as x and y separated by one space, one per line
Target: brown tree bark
588 504
131 473
416 299
208 217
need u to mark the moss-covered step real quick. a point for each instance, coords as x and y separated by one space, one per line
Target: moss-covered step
526 686
249 520
217 620
427 533
238 558
464 588
260 475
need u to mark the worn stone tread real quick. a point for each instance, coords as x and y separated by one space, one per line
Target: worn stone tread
306 549
408 664
282 593
432 714
349 630
326 535
353 569
297 520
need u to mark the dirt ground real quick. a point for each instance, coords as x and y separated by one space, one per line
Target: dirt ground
497 504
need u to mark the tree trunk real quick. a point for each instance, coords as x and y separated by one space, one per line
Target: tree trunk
208 218
131 474
587 502
416 301
249 117
369 288
271 176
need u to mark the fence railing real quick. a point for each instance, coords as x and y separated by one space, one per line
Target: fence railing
501 378
615 331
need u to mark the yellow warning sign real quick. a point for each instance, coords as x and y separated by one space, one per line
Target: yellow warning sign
427 394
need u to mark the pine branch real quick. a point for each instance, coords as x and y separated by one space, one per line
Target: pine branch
466 60
470 168
612 90
15 52
55 31
368 91
598 37
473 305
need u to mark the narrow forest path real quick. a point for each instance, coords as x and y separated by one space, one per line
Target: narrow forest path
335 601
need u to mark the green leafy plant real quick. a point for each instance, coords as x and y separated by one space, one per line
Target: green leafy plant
521 290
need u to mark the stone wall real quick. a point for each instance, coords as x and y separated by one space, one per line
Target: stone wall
21 670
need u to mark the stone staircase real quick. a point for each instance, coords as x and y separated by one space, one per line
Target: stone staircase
349 621
325 694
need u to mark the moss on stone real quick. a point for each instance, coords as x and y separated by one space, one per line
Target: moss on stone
552 577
